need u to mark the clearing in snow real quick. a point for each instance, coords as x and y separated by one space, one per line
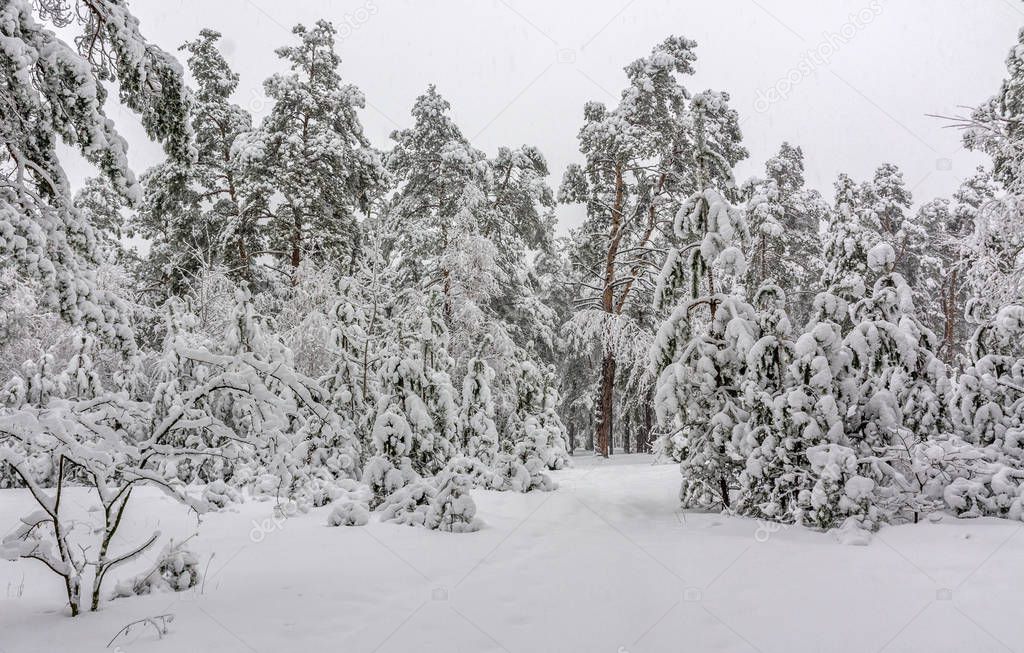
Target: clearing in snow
607 562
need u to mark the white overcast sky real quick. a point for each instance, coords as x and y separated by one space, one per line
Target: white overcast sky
519 71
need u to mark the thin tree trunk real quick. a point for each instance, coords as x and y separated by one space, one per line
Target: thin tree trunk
950 318
243 257
606 396
604 424
626 427
72 581
723 487
590 431
447 308
648 425
764 259
296 245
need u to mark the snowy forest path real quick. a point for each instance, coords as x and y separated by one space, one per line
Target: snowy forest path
607 562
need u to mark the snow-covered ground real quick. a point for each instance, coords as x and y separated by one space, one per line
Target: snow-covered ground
606 563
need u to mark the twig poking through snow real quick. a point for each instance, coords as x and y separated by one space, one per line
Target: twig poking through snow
159 623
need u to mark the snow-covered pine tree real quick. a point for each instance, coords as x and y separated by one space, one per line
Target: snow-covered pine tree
403 427
518 218
902 388
995 258
768 452
988 392
100 205
808 487
434 168
525 452
347 383
980 470
938 291
784 218
463 224
439 393
974 268
478 436
312 152
236 204
529 384
202 214
640 162
80 377
889 201
808 477
989 397
556 454
361 327
700 358
995 127
63 87
845 245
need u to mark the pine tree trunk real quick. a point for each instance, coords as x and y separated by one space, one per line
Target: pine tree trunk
447 308
606 397
723 487
590 431
243 257
764 260
296 243
606 405
648 425
950 319
625 432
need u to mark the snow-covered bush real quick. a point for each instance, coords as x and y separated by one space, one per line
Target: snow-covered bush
839 493
409 504
219 494
383 478
349 513
452 508
524 468
176 570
